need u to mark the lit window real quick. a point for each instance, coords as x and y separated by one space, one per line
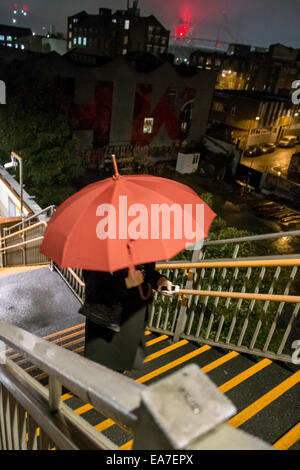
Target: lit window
124 51
84 41
75 41
22 47
79 41
114 20
16 46
148 125
9 38
126 40
2 38
127 24
9 45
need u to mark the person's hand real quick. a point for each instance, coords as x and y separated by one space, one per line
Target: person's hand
134 279
167 285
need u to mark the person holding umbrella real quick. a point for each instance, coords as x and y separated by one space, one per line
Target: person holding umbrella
120 345
115 230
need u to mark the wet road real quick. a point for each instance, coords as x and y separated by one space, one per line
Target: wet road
272 162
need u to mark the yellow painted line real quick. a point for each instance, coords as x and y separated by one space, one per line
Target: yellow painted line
83 409
53 335
164 351
219 362
67 396
157 340
289 439
173 364
265 400
147 333
104 425
244 375
127 446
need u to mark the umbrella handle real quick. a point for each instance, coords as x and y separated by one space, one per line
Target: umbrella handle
148 295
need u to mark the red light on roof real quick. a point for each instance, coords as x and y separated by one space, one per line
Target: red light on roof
25 8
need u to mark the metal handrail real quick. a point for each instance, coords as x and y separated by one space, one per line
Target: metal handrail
247 263
7 248
79 376
242 295
267 236
34 216
24 230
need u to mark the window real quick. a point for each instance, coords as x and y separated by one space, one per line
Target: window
22 46
79 41
127 24
148 125
75 41
10 45
84 41
164 40
124 51
150 29
9 38
2 38
125 39
114 20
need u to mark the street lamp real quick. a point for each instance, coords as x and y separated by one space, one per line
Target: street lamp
15 160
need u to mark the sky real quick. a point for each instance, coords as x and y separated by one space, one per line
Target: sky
255 22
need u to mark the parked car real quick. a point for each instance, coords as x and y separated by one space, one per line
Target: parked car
267 147
253 151
288 141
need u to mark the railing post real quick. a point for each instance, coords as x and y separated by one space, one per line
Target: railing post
180 409
55 393
183 317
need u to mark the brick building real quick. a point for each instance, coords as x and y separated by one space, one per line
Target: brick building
250 117
119 33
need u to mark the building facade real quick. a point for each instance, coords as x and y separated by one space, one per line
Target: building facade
112 34
250 118
241 67
10 36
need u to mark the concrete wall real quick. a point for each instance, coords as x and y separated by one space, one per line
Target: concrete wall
10 190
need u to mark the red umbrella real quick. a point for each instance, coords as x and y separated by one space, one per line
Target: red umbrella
126 221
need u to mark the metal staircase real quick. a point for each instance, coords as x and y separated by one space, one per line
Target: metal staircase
236 319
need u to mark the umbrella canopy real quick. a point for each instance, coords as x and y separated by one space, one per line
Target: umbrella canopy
125 221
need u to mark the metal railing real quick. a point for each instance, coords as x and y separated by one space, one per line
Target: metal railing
247 304
20 245
34 417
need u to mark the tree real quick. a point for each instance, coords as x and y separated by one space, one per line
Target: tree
35 125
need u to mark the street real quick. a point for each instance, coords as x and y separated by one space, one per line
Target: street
275 163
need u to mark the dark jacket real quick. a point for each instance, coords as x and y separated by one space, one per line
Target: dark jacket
118 350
